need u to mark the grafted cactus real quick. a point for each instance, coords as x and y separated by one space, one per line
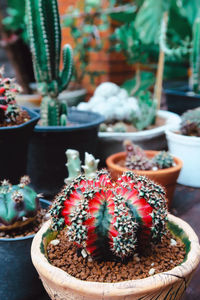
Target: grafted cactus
190 122
163 160
45 39
18 204
111 219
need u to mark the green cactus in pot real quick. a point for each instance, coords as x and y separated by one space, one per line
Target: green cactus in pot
45 41
18 204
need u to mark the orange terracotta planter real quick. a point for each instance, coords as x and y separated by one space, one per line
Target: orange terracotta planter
165 177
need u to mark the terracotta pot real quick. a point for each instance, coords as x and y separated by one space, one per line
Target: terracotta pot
167 285
166 177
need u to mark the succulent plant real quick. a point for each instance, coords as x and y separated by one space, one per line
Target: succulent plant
163 160
190 122
136 158
110 220
9 110
18 204
45 39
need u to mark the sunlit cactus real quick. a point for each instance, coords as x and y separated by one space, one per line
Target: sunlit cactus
190 122
45 40
18 204
163 160
108 219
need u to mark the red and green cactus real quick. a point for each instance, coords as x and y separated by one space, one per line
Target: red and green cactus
18 204
9 110
45 40
190 122
111 219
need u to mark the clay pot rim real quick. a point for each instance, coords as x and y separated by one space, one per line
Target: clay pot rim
111 163
146 285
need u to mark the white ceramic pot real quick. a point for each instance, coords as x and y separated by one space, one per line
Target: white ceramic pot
187 148
153 139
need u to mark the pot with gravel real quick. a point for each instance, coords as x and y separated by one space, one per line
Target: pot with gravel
159 166
16 126
114 240
184 141
21 215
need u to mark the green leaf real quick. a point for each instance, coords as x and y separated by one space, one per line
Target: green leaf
124 16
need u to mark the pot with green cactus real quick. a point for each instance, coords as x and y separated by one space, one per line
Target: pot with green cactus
20 207
16 126
184 141
59 128
108 225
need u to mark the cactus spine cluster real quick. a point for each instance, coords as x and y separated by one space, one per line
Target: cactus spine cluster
163 160
190 122
18 204
9 110
108 219
45 39
195 56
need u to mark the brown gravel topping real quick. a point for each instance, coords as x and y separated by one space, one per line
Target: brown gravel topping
20 119
159 258
30 229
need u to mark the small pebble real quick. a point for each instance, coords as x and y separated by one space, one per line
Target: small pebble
173 242
152 271
84 253
55 242
152 264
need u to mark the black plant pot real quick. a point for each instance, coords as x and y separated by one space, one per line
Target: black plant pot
46 155
180 98
14 147
18 277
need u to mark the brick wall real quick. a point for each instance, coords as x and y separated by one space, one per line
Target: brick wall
113 64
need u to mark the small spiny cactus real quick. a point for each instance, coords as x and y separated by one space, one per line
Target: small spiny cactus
9 110
45 40
136 158
18 204
190 122
163 160
110 220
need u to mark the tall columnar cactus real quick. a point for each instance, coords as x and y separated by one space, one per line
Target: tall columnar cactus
190 122
18 204
45 39
111 219
195 57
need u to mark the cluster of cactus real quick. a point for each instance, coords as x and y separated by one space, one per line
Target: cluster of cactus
190 122
110 220
18 204
9 110
45 40
136 158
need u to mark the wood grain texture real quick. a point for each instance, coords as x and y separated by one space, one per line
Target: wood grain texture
166 285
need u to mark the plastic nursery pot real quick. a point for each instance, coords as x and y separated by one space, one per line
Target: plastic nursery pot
14 147
180 98
112 142
188 149
18 278
46 157
166 177
167 285
29 100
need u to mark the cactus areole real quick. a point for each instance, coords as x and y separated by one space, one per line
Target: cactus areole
45 41
18 204
110 220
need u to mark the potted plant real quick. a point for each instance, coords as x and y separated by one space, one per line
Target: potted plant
159 166
107 227
21 215
129 117
16 126
184 141
57 130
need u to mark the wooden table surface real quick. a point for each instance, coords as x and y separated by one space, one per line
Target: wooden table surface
186 205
